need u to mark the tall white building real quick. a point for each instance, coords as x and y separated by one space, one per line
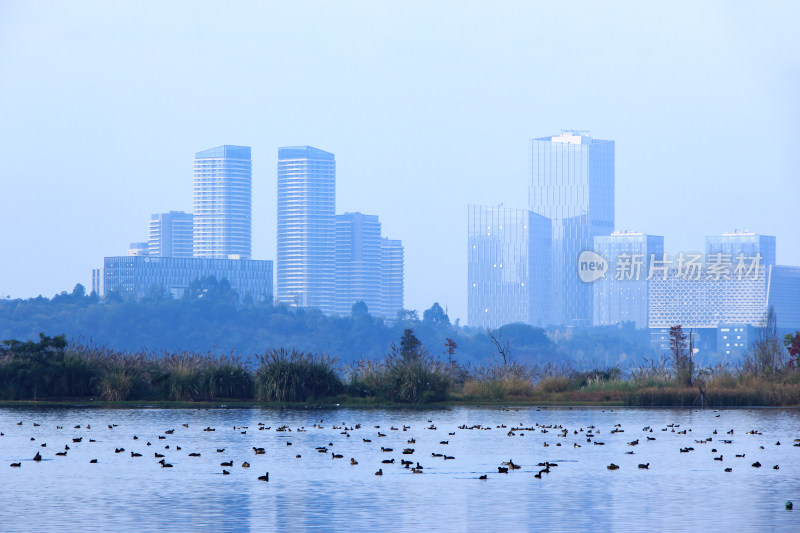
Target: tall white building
306 262
171 234
222 225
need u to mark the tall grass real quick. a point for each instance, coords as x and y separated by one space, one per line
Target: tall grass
293 376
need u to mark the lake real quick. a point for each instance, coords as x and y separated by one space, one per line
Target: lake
309 488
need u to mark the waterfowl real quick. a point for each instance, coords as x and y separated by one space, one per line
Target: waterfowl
16 465
484 477
388 461
220 450
386 449
446 457
93 461
298 456
158 455
265 477
444 442
336 456
77 439
612 466
718 458
776 467
416 471
62 454
119 450
729 469
194 454
379 472
412 441
134 454
229 463
645 466
245 465
225 472
502 470
740 455
353 461
37 457
789 506
756 465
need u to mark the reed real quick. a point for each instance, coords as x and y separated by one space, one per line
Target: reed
293 376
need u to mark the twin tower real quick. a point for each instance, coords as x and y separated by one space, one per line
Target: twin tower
325 261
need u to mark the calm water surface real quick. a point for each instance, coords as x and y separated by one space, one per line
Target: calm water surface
678 492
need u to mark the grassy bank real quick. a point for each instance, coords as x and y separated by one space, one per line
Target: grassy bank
55 372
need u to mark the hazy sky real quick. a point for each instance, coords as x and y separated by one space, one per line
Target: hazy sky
428 106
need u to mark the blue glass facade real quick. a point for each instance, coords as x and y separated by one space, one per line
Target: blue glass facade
222 224
508 267
358 262
784 295
306 227
171 234
138 276
572 184
391 277
622 295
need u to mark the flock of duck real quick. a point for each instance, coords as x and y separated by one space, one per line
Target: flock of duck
164 448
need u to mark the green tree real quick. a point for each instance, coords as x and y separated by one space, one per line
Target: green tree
410 346
436 316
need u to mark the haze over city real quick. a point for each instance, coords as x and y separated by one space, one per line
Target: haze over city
427 109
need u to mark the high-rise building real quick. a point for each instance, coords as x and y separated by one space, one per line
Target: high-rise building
358 262
391 278
784 296
306 227
733 243
171 234
509 262
572 184
222 225
622 294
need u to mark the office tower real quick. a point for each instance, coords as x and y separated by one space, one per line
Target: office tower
572 184
622 294
171 234
391 277
747 243
306 227
138 248
784 296
358 262
509 262
140 276
97 281
222 203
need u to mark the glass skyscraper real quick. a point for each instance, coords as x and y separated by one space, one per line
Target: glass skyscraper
509 260
572 184
171 234
222 203
391 277
622 295
358 262
306 227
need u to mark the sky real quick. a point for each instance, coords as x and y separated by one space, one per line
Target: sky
428 107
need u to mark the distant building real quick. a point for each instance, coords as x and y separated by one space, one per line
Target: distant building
306 265
572 184
97 281
138 248
358 263
623 294
509 262
391 278
222 225
139 276
171 234
784 296
747 243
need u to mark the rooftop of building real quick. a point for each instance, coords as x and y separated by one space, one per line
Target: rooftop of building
226 151
304 152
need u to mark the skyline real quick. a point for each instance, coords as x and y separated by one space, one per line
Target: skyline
108 105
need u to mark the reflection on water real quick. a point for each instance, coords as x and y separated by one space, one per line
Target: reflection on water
678 492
